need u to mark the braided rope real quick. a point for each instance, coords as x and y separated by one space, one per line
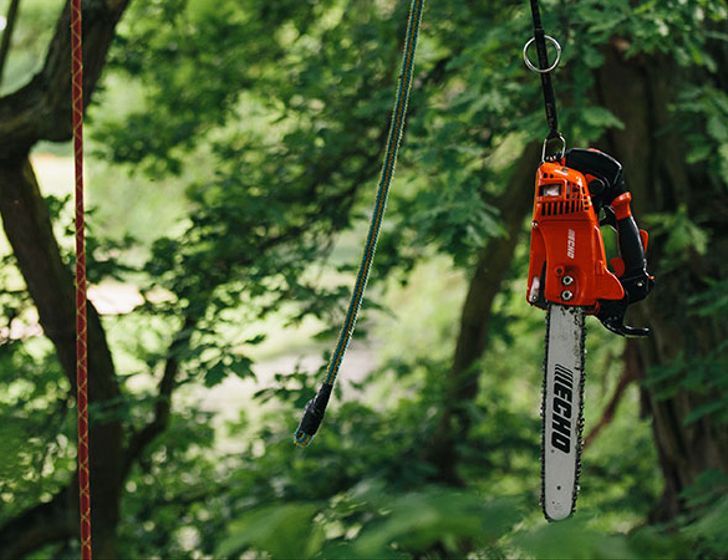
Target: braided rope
385 181
84 486
399 114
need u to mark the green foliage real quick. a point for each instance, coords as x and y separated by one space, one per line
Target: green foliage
683 238
713 301
285 531
408 524
435 518
33 30
236 148
709 529
436 522
708 107
35 428
573 539
703 375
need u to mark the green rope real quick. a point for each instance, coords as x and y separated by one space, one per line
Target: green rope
317 406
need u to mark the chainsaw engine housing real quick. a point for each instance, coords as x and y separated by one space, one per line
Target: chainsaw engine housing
568 264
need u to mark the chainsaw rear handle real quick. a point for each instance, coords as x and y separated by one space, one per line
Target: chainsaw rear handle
608 191
634 278
631 250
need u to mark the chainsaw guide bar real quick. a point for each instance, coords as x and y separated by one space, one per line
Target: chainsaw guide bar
562 410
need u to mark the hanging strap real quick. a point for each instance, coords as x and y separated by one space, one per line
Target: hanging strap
316 407
544 70
84 485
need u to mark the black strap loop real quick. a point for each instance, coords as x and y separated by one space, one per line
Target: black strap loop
549 97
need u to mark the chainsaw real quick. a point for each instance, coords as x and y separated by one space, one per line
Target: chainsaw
570 278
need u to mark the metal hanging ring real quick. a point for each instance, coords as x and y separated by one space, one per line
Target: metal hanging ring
530 64
546 155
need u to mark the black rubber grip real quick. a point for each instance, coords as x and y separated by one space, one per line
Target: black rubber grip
630 247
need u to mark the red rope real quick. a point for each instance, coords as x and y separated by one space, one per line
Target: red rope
84 486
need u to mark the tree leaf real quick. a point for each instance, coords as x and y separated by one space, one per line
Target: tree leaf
282 530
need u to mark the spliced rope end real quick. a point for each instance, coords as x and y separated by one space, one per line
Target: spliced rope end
302 439
313 416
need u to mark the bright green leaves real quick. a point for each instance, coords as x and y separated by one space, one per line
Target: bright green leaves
435 518
703 376
281 530
273 115
704 111
371 521
404 525
192 69
573 538
709 530
600 118
218 370
682 236
453 215
35 426
680 28
713 301
704 527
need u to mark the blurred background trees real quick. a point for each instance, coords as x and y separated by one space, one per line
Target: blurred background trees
234 151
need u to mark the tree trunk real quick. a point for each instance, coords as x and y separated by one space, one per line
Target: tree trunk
461 387
50 284
639 91
41 110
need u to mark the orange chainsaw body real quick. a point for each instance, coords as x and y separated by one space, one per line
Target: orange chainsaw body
568 264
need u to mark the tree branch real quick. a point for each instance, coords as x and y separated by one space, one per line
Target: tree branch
629 374
163 405
39 525
41 110
27 225
10 20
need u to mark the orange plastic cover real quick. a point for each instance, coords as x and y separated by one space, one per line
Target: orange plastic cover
568 264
